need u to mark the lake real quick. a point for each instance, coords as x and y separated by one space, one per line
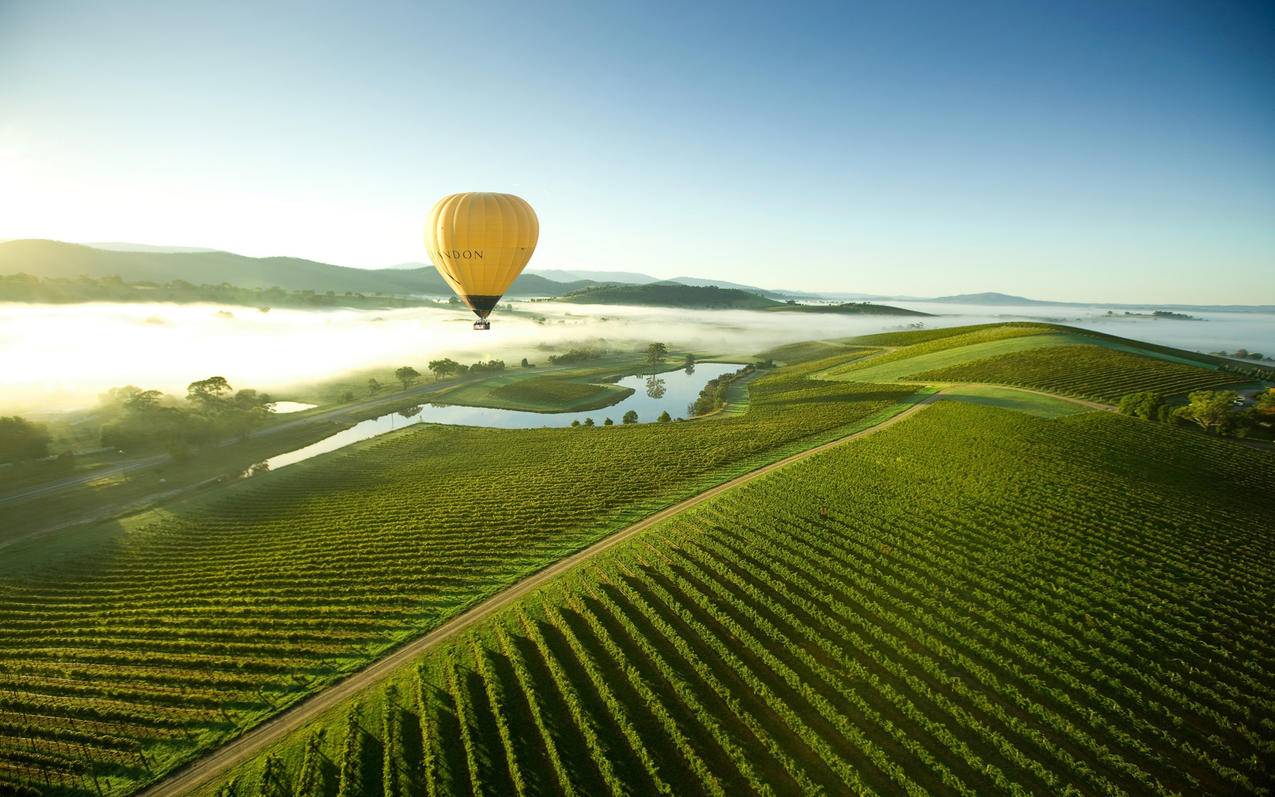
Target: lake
671 391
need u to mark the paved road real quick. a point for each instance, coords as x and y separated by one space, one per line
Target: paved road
205 769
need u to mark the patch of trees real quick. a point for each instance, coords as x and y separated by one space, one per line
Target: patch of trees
449 367
1220 412
1243 354
490 366
70 290
22 440
714 393
577 355
212 411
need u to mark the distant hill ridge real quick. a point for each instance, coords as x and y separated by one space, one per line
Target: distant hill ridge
677 294
42 258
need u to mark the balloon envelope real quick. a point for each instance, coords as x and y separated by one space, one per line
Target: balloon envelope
480 242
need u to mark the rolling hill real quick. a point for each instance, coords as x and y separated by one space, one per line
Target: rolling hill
42 258
671 294
675 294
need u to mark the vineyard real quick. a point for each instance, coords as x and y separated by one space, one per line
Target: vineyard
913 613
130 647
1090 372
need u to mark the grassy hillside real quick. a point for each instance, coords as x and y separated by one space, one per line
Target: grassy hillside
671 294
129 647
912 613
55 259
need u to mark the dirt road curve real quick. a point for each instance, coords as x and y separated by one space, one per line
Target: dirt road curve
203 770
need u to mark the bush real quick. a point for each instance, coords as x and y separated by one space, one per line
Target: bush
22 440
1146 404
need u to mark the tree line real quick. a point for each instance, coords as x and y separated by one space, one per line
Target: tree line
211 411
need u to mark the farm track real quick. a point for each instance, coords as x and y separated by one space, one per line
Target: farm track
204 769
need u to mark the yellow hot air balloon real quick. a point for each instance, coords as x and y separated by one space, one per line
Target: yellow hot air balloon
479 243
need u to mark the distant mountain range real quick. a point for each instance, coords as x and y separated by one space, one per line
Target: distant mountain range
134 262
56 259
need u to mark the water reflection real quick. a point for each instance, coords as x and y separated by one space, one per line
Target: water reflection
655 387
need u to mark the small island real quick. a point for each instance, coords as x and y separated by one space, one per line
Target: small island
1164 314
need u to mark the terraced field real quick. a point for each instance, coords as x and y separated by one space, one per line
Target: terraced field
127 648
1046 357
1087 371
912 613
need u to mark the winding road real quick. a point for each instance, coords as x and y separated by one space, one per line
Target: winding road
203 770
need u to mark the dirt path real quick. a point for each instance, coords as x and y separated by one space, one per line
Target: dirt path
205 769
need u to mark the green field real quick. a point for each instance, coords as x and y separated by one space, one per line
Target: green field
555 395
1008 398
915 613
131 646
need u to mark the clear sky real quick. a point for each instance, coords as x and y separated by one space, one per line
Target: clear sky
1114 150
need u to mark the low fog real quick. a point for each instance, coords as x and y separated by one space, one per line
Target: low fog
62 357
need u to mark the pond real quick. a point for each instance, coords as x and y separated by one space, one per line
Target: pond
285 407
671 391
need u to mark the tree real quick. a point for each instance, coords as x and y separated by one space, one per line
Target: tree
443 367
1266 402
655 353
588 422
373 387
608 422
248 410
21 440
407 375
208 394
576 422
525 364
664 417
1145 405
1213 410
631 416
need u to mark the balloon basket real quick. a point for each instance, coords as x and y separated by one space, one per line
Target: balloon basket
482 324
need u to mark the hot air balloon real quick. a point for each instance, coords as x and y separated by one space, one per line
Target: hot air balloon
479 243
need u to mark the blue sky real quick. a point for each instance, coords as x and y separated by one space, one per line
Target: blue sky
1070 150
